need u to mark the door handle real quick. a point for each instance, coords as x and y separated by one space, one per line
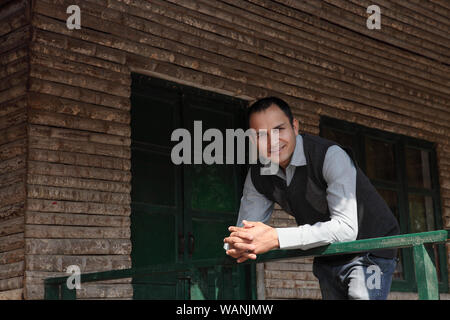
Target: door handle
191 243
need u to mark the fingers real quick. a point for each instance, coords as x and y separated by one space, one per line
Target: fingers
234 253
235 229
244 246
248 224
242 234
238 235
232 240
245 257
240 255
240 240
240 244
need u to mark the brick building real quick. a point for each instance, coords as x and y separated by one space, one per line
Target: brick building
86 115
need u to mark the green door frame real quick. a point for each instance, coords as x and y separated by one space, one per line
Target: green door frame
144 86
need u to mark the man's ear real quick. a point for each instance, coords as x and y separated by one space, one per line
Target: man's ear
295 126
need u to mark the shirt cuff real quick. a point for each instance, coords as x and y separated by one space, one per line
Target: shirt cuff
289 238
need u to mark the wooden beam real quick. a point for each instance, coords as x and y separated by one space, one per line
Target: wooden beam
427 282
400 241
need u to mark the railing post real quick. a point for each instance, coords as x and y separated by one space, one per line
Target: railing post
51 292
427 282
68 294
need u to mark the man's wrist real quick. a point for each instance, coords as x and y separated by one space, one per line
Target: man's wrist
275 241
289 238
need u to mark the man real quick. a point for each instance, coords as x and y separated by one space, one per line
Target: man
319 183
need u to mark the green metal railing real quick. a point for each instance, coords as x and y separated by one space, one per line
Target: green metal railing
425 271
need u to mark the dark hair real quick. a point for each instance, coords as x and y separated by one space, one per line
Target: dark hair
265 103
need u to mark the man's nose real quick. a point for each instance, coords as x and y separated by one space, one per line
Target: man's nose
274 134
269 138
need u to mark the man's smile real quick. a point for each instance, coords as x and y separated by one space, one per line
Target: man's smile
277 149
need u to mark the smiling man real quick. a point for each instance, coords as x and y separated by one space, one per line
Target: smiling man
319 183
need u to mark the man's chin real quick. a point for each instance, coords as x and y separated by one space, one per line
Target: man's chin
277 158
278 161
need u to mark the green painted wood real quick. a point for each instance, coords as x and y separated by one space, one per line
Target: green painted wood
426 277
355 135
400 241
211 198
186 216
156 212
423 269
122 273
51 291
68 294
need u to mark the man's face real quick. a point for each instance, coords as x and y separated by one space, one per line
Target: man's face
274 118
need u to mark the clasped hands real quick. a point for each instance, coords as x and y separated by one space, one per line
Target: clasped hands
250 240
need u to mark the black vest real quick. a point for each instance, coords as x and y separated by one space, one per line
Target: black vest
305 197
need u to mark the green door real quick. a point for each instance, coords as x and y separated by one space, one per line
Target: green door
180 213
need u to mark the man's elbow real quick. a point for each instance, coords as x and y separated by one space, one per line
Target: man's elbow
347 233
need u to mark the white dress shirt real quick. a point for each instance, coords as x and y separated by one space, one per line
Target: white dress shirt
339 173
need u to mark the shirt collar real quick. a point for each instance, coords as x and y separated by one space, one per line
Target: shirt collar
298 156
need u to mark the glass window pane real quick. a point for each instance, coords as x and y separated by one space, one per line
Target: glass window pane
418 168
153 120
434 249
380 160
344 139
153 177
212 186
398 272
391 199
384 169
421 213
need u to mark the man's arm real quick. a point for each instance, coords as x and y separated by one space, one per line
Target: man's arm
340 174
254 206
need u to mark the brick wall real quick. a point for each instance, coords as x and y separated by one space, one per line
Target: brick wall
14 67
79 156
317 55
